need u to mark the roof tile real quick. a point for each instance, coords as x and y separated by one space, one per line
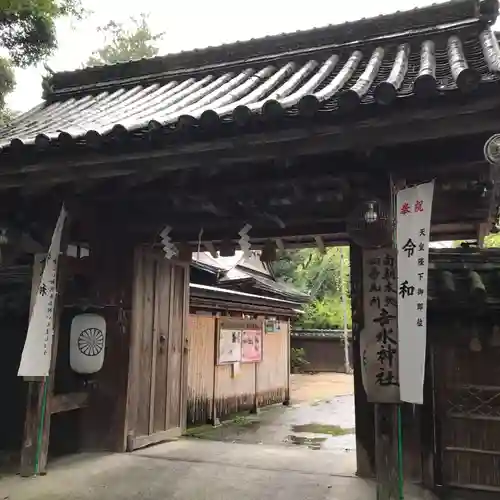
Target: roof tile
421 61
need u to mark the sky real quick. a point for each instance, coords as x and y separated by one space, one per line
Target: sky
193 24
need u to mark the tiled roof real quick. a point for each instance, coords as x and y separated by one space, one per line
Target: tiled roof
267 284
237 269
232 299
312 333
233 267
420 59
464 278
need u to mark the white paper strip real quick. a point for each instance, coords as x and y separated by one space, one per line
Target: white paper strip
414 208
35 359
379 338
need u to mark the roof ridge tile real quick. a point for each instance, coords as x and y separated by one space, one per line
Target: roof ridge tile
427 16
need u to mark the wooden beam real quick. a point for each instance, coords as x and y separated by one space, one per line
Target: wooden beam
450 206
414 159
416 124
67 402
464 159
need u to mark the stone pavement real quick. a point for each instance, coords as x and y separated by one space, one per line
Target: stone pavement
321 417
200 470
319 425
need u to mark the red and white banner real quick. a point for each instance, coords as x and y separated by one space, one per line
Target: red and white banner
414 207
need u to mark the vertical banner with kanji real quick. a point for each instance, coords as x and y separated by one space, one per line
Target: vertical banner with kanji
379 338
35 359
414 207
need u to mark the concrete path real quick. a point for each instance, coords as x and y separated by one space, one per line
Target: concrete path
200 470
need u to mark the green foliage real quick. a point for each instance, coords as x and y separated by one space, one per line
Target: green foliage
298 359
28 35
7 83
126 43
324 313
492 241
27 27
321 276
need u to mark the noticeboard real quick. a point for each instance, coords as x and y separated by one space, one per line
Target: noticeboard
239 341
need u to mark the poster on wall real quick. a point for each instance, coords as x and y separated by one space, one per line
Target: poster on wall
37 351
229 346
414 207
379 337
239 340
251 344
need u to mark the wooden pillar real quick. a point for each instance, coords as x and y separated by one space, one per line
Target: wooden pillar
111 264
34 393
364 411
215 411
427 421
286 402
386 451
36 436
255 404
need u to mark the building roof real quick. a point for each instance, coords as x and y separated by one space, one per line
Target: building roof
231 263
215 298
434 51
464 278
236 270
319 333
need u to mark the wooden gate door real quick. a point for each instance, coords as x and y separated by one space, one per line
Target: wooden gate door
468 415
158 376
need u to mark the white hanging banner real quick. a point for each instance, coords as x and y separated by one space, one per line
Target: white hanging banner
414 208
35 359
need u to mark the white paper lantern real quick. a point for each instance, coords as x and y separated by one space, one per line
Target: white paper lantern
87 343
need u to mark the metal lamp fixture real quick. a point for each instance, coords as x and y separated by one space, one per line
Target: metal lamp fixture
371 214
369 224
4 238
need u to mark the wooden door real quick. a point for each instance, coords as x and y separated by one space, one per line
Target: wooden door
157 382
468 415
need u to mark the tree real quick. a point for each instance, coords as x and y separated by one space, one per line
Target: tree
123 44
492 240
320 275
28 35
7 85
